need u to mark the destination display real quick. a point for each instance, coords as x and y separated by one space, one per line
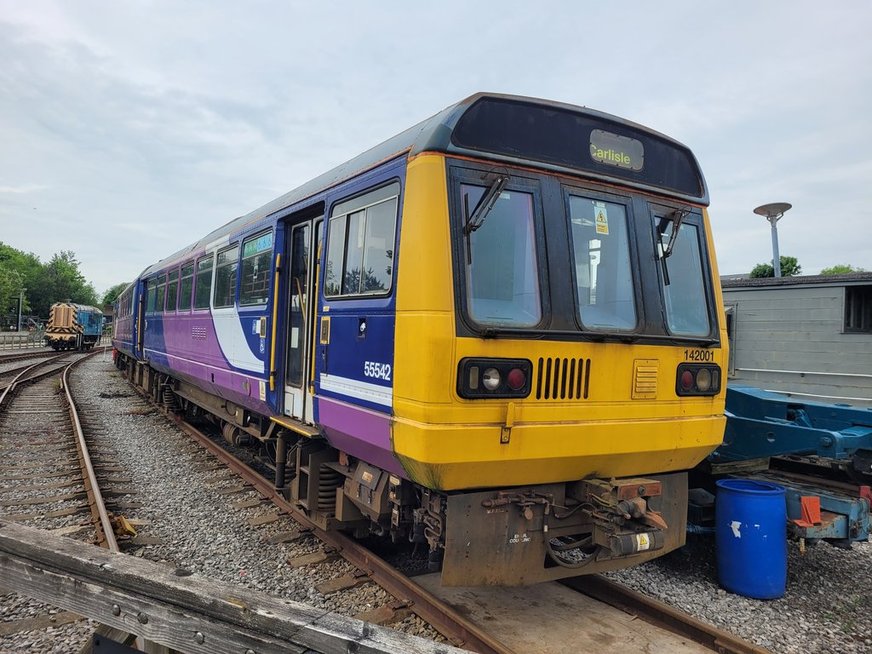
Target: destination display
586 141
616 150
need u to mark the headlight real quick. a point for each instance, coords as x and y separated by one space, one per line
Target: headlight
493 378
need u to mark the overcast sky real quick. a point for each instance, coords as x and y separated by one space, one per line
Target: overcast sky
130 129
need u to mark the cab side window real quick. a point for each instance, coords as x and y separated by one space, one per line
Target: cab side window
360 244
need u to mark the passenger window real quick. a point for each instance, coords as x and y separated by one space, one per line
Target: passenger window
256 257
603 275
204 282
360 244
159 298
225 278
186 286
172 289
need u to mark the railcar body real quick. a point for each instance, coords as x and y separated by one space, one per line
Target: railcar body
499 333
73 326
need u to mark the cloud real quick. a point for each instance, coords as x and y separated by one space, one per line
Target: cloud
24 188
151 123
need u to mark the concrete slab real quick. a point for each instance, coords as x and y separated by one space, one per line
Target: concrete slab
550 618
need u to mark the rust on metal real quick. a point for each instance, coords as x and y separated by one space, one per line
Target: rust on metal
461 631
102 520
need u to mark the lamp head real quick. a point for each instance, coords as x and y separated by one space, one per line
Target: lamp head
773 210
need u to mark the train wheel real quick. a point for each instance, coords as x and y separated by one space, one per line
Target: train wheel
231 433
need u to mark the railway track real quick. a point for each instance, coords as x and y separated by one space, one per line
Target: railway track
47 473
48 477
252 495
34 366
450 620
27 354
409 595
662 615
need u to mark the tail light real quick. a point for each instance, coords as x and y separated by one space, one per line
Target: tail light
697 379
506 378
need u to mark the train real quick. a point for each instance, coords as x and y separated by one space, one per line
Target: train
498 334
73 326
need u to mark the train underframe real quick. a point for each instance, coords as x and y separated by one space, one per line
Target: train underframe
71 341
509 536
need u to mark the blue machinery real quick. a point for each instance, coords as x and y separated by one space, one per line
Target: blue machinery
761 425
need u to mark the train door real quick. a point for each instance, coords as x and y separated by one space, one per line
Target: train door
139 296
302 248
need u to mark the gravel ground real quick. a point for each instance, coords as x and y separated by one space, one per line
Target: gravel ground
197 528
827 607
62 639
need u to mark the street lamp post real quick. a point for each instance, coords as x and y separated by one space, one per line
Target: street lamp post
772 212
20 302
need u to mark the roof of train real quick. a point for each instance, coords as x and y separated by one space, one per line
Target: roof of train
431 135
80 307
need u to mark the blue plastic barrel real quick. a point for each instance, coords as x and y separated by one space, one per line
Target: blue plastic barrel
751 537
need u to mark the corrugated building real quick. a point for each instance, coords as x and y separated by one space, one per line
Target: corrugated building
810 336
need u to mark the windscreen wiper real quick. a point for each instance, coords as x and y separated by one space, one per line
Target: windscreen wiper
471 222
665 251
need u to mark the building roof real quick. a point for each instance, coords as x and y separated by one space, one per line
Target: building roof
850 279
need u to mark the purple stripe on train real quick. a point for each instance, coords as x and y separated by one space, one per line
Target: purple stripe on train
359 432
194 354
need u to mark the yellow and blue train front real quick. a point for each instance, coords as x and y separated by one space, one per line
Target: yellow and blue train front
542 409
545 363
611 408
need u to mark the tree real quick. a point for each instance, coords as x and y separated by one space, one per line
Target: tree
18 271
789 268
112 294
11 284
60 281
841 269
26 265
44 284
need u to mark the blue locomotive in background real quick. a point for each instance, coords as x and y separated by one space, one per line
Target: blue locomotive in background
73 326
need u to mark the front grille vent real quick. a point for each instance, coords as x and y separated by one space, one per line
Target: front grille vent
562 379
645 373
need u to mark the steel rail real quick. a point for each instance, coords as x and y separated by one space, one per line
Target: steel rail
10 358
18 378
662 615
804 473
444 618
102 521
